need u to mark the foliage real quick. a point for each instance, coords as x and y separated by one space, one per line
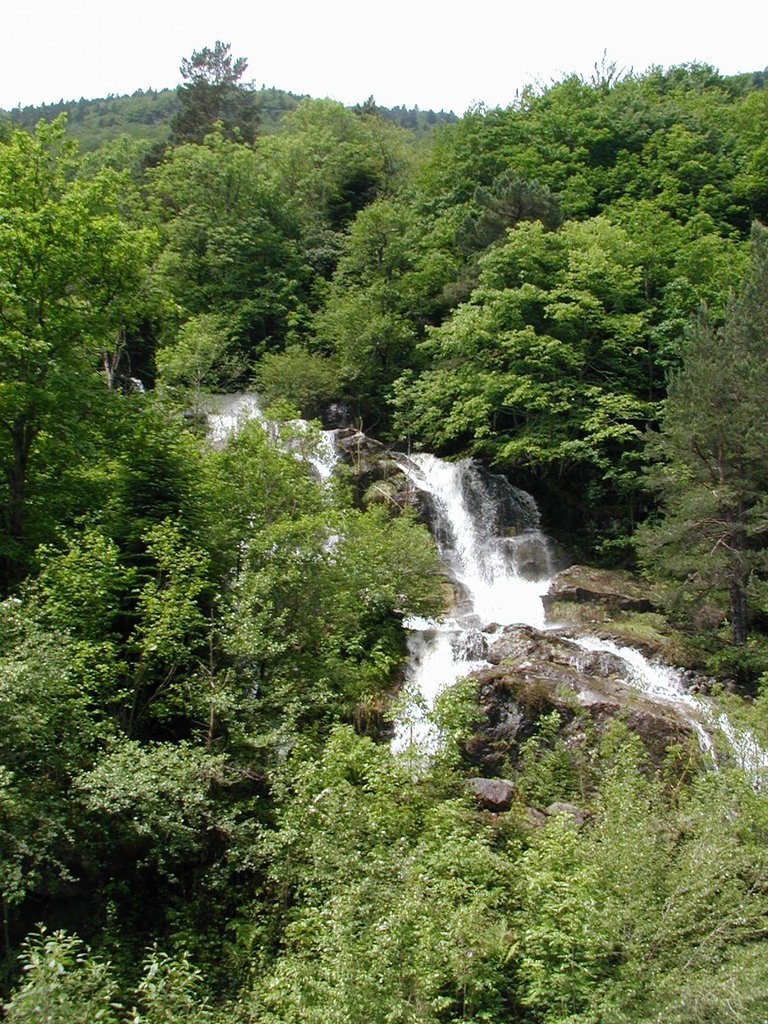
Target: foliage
712 442
419 885
625 920
197 363
212 95
65 983
305 380
72 271
196 672
230 244
365 573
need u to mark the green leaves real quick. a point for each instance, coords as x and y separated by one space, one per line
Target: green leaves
72 271
230 244
319 660
541 366
154 801
66 983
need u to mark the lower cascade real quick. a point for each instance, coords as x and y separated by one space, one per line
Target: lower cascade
500 566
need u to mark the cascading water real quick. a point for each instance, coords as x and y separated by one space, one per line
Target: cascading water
500 567
663 684
660 682
228 412
496 559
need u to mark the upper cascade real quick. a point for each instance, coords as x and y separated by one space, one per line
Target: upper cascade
228 412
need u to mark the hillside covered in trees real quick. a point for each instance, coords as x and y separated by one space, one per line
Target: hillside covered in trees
201 819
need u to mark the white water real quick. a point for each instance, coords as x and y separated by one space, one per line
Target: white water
485 570
484 566
663 684
659 682
229 412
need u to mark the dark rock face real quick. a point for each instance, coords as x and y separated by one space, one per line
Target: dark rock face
495 502
536 672
336 416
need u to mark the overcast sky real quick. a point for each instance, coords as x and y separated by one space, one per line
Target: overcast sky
439 55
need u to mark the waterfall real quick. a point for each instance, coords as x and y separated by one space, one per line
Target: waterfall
500 567
226 413
499 564
663 684
488 540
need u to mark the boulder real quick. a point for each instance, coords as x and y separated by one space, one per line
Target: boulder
611 588
375 475
570 811
387 491
533 673
493 794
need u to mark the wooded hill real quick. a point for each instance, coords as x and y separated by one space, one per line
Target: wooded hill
146 115
198 645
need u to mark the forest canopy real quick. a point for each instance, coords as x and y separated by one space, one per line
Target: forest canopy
200 816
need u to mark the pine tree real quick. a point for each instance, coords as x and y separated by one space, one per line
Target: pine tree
213 93
712 455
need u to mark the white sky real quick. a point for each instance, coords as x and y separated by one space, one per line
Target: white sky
439 55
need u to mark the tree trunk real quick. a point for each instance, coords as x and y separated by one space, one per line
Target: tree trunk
22 437
738 595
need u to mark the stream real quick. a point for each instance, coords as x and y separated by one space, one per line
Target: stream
500 566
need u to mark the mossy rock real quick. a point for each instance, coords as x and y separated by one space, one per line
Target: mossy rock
384 492
612 589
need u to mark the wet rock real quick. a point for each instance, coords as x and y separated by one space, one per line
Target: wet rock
493 794
492 499
375 475
385 492
535 672
336 416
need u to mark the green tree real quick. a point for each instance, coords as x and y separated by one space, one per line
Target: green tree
71 270
653 911
66 983
394 897
63 984
712 470
197 362
231 246
328 659
333 164
543 370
